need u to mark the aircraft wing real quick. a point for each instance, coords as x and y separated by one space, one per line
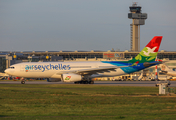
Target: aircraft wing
92 70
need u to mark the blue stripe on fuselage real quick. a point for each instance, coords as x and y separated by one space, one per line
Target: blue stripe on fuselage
133 68
130 69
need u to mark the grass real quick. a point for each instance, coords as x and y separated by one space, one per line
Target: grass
83 102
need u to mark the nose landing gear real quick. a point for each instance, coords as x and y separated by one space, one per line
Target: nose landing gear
22 81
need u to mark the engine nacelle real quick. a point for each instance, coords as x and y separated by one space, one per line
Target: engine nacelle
53 80
71 77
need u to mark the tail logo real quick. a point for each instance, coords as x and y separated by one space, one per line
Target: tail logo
68 78
135 64
149 51
147 54
163 67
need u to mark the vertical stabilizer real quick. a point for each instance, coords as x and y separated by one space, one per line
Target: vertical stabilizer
164 67
149 52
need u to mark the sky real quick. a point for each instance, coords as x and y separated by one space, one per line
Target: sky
83 25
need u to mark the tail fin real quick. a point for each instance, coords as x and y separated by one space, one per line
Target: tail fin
164 67
149 52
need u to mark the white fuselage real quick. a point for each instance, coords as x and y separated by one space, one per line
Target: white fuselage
55 69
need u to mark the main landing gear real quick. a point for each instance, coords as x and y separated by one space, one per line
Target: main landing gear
85 82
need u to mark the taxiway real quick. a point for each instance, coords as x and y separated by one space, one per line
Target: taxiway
108 83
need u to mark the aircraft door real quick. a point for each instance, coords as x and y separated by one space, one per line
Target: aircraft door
22 68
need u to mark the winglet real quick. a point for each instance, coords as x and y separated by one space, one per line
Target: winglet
135 64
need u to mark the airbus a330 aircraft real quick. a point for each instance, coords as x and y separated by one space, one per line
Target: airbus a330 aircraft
83 72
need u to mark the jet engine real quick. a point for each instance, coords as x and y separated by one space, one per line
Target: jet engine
53 80
71 77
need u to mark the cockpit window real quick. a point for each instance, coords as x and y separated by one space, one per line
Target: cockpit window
12 67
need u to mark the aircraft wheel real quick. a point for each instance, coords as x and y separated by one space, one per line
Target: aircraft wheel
76 82
91 82
22 82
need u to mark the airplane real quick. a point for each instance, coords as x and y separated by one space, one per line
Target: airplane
166 70
83 72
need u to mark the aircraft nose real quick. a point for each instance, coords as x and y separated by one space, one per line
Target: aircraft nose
9 71
6 71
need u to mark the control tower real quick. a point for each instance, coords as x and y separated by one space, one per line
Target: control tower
138 19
